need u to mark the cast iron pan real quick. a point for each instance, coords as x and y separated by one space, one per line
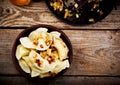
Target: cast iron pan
90 11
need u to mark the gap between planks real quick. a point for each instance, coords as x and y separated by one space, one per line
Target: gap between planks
80 29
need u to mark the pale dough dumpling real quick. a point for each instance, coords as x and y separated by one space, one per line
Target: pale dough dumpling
55 34
34 73
21 51
42 29
24 66
44 42
43 75
61 48
26 42
41 38
40 63
50 54
36 33
61 65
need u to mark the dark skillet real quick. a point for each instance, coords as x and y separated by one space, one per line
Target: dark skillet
89 12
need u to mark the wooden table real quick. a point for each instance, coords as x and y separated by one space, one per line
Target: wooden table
96 47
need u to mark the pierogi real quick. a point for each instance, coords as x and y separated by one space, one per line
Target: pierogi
42 53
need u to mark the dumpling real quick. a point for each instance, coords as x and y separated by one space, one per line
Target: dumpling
43 44
60 65
34 73
21 51
61 48
40 63
26 42
42 29
24 66
41 39
33 68
55 34
43 75
26 59
37 33
51 55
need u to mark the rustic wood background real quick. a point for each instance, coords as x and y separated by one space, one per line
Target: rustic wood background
96 47
38 13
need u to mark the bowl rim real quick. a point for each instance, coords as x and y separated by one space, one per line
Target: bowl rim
27 31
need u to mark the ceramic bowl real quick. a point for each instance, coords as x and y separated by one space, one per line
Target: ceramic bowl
26 32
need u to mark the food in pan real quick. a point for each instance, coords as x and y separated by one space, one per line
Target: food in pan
73 7
80 11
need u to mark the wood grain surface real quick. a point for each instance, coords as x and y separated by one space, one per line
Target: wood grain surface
95 52
96 59
38 13
63 81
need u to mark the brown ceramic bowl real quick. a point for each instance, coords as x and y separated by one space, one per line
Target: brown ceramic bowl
26 32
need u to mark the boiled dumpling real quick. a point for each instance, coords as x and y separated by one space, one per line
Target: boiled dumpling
44 42
34 73
21 51
61 48
51 55
42 29
36 60
55 34
40 32
24 66
25 58
30 64
41 39
61 65
26 42
42 75
40 63
33 67
43 45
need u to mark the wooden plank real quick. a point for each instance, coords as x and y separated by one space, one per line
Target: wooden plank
95 52
38 13
63 81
